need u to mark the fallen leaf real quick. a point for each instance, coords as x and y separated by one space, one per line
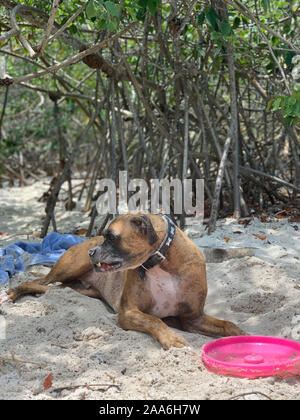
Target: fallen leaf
227 239
244 222
48 381
282 215
80 231
261 237
3 234
36 235
237 231
265 218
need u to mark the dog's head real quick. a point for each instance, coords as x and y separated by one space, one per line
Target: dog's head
128 242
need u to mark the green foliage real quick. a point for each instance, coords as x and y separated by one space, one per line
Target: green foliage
266 5
288 105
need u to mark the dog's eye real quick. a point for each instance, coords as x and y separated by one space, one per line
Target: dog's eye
111 236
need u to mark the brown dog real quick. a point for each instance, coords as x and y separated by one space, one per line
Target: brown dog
148 271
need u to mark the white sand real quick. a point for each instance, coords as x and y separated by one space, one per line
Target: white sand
80 342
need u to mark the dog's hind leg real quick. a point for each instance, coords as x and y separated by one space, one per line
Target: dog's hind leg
71 265
213 327
26 288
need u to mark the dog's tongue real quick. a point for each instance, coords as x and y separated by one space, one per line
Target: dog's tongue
105 266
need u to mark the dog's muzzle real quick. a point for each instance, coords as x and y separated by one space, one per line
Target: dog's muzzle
103 263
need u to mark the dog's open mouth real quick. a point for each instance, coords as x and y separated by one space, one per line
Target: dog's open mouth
103 267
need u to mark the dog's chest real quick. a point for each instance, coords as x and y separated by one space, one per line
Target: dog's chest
164 292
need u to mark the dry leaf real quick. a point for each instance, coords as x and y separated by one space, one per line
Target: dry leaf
80 231
261 237
48 381
283 214
227 239
244 222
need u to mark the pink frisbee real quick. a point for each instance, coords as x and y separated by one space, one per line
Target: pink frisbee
252 356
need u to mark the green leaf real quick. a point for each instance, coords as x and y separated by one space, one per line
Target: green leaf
142 8
269 104
266 5
90 9
288 121
111 25
288 105
201 18
152 6
216 35
225 28
295 110
211 18
277 103
296 94
112 8
236 22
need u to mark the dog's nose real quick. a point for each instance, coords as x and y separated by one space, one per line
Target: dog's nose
92 252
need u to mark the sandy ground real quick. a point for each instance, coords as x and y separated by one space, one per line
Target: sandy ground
77 341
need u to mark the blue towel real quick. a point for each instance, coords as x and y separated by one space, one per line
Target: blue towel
46 253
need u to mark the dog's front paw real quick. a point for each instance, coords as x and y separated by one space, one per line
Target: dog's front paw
4 297
232 329
174 340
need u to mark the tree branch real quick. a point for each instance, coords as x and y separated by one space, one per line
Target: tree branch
9 34
48 28
74 59
23 40
67 23
236 4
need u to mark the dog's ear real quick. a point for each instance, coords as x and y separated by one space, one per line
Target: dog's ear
145 227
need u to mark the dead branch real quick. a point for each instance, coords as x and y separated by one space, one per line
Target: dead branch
15 27
49 27
18 361
68 22
245 11
216 201
102 387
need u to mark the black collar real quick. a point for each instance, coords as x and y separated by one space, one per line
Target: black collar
159 255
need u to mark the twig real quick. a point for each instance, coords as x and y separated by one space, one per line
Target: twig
216 202
48 28
3 110
88 386
245 11
17 361
86 339
271 177
67 23
75 58
9 34
14 173
15 26
276 60
250 393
